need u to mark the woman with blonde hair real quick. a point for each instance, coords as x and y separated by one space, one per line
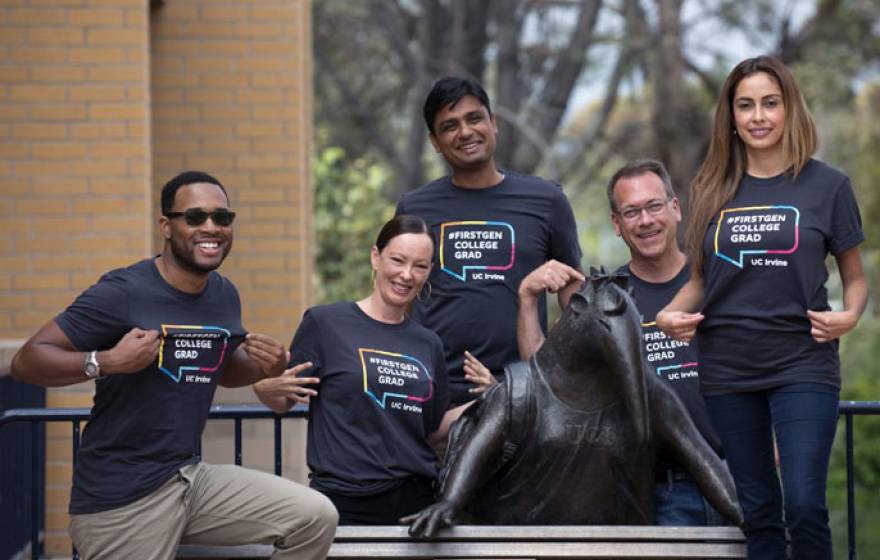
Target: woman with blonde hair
764 215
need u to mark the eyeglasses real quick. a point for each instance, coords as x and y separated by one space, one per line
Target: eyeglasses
653 208
197 216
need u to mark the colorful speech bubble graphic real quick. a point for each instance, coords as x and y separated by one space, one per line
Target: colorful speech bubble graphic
476 245
756 230
660 350
191 349
389 374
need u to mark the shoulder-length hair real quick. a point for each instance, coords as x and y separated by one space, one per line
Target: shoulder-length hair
718 177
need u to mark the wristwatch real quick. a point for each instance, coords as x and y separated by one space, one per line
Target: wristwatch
91 367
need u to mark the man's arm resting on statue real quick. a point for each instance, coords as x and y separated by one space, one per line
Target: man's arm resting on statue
552 276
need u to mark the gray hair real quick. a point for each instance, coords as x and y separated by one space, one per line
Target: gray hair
638 168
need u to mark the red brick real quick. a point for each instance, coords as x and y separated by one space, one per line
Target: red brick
62 186
102 130
42 131
40 282
30 55
274 13
56 73
118 149
59 112
96 17
224 13
97 93
93 55
59 150
37 93
100 205
115 37
117 111
127 73
55 36
14 150
40 16
11 74
259 162
259 30
260 129
98 168
98 243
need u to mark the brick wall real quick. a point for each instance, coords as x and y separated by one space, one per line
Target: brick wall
101 101
232 96
74 174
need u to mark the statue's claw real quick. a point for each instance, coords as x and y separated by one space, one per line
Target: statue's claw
425 523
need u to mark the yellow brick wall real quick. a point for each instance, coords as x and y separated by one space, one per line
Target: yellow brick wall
231 96
74 174
101 101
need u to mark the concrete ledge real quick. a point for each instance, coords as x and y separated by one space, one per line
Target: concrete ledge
471 541
8 348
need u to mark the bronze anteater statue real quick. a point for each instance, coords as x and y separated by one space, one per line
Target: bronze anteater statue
570 438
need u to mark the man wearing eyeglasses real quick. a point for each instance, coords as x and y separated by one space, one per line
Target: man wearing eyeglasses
645 213
156 338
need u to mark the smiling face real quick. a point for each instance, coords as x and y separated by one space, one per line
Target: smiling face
200 248
759 113
402 268
645 218
464 134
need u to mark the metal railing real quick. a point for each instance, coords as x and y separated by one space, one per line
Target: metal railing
76 416
237 413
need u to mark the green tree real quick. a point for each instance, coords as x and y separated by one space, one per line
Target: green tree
349 210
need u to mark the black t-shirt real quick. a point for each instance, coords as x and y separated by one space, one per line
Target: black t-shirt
675 362
488 240
145 426
383 390
764 268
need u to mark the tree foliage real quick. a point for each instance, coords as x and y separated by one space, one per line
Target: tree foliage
349 210
579 87
377 59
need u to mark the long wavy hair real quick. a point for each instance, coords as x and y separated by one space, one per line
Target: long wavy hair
718 177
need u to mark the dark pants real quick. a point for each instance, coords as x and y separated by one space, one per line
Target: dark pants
679 502
386 508
804 418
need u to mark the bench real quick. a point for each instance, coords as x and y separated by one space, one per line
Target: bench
473 541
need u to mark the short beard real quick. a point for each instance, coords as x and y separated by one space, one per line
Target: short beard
186 260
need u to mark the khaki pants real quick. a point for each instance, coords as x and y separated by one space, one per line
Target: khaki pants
216 505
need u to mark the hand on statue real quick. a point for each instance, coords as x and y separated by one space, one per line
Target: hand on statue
288 386
477 373
678 324
134 351
831 325
426 522
551 276
269 354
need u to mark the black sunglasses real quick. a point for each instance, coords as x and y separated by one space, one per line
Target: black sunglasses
197 217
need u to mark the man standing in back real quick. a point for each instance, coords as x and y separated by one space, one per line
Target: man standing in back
645 213
493 227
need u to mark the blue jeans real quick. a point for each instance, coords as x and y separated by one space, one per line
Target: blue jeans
804 418
679 502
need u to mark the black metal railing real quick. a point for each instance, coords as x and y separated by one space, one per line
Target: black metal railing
36 417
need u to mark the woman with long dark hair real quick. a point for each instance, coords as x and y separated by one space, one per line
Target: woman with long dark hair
764 215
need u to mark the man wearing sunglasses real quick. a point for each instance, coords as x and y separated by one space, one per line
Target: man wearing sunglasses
156 338
645 213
